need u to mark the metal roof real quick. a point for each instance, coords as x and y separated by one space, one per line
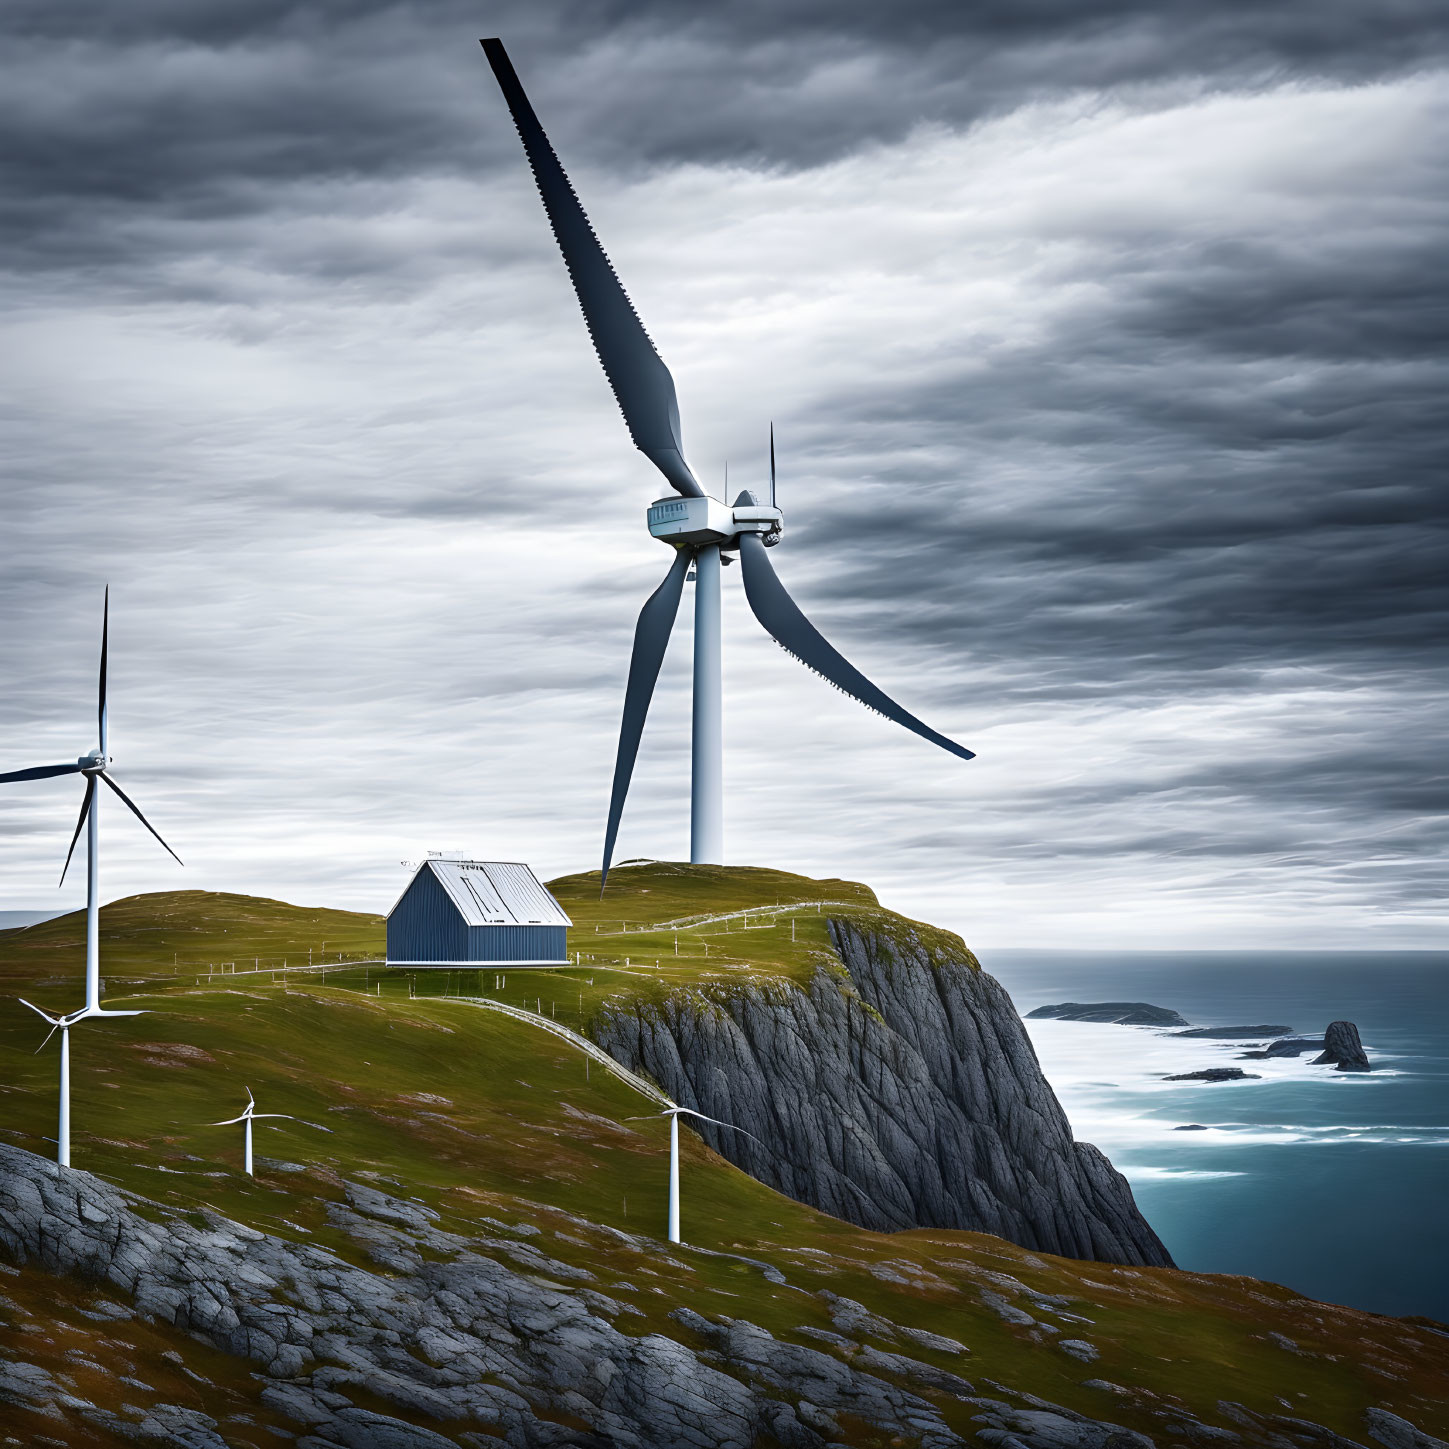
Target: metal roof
496 892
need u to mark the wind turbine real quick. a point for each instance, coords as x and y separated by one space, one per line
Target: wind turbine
249 1116
94 767
702 530
672 1112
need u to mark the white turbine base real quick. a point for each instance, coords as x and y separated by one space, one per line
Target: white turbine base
93 901
674 1177
62 1135
706 815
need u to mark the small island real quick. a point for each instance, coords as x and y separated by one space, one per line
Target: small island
1339 1047
1234 1033
1214 1074
1116 1013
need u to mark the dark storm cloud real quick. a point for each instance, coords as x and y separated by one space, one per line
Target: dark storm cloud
206 111
1252 455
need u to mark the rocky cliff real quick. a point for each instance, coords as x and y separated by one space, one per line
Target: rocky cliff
442 1343
897 1089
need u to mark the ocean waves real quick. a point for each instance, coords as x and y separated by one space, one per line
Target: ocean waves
1131 1103
1328 1181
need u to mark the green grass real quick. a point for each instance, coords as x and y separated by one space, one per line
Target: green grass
155 936
484 1117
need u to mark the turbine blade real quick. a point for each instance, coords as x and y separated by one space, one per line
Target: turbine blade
39 772
101 693
136 811
85 810
230 1121
641 382
53 1020
107 1011
651 638
692 1113
286 1116
794 633
773 504
56 1022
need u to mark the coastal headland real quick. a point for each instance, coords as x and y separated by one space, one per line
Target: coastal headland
459 1239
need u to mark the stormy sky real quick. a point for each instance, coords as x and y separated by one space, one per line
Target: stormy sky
1105 345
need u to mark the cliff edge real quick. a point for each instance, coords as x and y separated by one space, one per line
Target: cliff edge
896 1089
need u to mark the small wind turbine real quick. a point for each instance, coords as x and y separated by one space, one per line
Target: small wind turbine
703 531
93 767
249 1116
63 1024
672 1112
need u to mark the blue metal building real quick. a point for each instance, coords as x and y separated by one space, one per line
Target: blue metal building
492 912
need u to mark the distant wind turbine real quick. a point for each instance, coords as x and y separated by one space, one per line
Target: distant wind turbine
249 1116
94 767
702 530
673 1114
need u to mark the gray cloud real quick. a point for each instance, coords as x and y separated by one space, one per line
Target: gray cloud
1106 346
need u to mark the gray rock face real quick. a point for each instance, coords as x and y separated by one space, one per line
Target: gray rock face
1396 1433
899 1092
1122 1013
1342 1048
448 1336
465 1342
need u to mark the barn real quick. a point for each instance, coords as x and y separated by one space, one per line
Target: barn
493 912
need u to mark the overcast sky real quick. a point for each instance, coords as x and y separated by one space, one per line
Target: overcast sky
1105 343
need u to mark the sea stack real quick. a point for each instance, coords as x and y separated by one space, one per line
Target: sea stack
1342 1049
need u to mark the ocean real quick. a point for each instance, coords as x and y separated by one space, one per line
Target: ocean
1333 1183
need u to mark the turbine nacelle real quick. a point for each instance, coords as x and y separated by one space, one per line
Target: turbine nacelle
702 522
94 763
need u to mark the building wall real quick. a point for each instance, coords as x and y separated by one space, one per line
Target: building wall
517 943
425 926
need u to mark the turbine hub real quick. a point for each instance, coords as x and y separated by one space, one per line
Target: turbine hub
700 522
93 763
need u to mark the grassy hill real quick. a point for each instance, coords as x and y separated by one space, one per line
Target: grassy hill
484 1117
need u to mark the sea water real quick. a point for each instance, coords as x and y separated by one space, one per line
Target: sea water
1333 1183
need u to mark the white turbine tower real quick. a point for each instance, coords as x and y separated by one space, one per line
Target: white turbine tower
249 1116
94 767
672 1112
704 531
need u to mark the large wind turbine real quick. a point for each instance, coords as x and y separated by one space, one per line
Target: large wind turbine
701 529
672 1113
94 767
249 1116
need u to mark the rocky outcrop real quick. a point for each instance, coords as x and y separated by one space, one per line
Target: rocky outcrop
897 1090
1119 1013
448 1345
1293 1046
1234 1033
1343 1049
1215 1074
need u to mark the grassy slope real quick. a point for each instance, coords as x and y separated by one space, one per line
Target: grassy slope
480 1117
